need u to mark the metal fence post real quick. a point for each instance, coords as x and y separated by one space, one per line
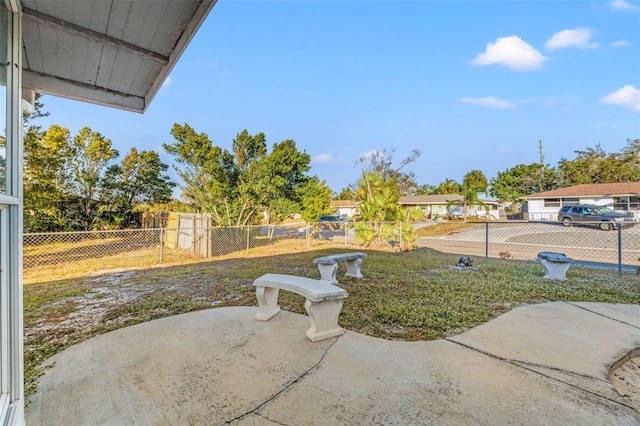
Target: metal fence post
248 228
161 243
306 234
486 241
345 233
619 250
400 237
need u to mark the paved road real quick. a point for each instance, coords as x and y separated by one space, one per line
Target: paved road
524 241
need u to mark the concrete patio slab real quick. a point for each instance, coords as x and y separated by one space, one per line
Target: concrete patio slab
538 364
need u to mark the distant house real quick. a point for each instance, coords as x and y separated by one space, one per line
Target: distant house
348 207
436 205
621 197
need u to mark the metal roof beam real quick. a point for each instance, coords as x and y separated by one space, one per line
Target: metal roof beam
74 29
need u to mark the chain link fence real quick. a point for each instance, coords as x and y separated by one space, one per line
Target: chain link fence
617 248
51 256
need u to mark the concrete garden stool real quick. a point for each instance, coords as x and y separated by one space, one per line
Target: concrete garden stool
328 266
555 265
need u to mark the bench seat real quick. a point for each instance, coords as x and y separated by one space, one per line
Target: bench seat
555 264
328 265
323 304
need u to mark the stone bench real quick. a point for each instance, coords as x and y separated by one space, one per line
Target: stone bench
323 304
328 265
555 265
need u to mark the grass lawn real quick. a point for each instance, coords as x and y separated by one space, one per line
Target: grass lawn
417 295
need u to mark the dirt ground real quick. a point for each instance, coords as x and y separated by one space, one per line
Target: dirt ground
59 321
626 379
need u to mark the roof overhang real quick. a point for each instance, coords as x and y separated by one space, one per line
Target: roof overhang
109 52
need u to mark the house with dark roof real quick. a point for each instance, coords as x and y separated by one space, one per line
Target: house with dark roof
439 205
621 197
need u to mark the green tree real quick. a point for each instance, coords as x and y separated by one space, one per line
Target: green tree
448 186
476 181
379 190
138 179
629 161
46 181
594 165
381 164
315 196
426 189
91 154
238 187
524 179
590 166
347 193
208 172
283 174
472 183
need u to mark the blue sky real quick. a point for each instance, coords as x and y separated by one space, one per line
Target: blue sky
471 84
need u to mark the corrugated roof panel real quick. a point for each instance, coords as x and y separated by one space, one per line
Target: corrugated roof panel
46 7
66 47
49 45
119 15
172 20
107 62
85 60
32 49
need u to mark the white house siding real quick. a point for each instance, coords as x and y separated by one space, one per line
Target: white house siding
431 210
538 212
349 211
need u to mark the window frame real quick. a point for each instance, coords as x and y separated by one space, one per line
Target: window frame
11 298
552 202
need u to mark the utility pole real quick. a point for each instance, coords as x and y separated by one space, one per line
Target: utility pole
541 183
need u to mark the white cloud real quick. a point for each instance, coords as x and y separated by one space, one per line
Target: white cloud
321 158
578 37
627 96
167 81
620 43
623 5
512 52
489 102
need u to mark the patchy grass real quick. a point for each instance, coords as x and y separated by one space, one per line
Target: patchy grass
447 228
416 295
70 260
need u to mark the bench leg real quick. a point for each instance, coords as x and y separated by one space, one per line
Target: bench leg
555 270
267 303
353 268
328 272
324 319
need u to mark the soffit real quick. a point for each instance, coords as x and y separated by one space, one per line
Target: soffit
109 52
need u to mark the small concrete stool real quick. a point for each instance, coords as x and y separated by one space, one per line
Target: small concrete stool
328 266
555 265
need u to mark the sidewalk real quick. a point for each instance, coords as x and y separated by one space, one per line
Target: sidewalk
537 364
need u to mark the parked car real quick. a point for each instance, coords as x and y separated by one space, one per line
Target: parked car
333 222
600 216
329 218
334 218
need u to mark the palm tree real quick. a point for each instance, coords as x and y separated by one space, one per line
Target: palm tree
473 182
